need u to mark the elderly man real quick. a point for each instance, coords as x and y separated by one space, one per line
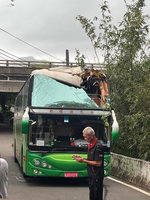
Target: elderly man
3 178
95 164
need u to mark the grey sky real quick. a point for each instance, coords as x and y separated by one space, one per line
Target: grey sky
51 26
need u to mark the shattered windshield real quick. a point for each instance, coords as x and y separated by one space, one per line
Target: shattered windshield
47 92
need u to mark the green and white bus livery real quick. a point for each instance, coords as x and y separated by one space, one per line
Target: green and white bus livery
50 113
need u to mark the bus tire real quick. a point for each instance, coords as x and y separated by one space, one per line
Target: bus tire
15 159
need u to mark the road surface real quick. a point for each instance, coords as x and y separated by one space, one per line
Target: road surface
21 188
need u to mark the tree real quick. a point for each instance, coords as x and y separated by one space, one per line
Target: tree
130 59
80 59
125 50
99 31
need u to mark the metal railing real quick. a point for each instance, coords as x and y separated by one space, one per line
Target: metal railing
44 64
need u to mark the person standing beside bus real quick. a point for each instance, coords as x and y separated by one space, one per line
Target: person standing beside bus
95 164
3 178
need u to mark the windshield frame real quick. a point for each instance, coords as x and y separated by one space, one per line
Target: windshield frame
76 142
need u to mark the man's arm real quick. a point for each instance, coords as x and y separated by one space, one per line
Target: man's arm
94 163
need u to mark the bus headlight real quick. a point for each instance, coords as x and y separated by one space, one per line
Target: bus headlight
36 162
44 164
35 171
105 163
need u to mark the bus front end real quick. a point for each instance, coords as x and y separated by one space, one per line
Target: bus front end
55 136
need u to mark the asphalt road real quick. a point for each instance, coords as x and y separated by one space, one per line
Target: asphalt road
21 188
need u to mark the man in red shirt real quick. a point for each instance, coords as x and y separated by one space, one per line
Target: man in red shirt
95 164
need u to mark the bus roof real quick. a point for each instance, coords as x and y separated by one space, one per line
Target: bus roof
68 75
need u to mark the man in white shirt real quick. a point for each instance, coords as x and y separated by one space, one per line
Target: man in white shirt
3 178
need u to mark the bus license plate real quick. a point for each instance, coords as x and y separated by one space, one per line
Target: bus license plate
71 174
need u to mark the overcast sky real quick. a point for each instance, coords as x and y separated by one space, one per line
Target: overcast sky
51 26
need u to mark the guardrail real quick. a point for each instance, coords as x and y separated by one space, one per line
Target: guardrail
131 170
44 64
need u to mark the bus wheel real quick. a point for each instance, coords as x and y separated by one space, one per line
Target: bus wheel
15 159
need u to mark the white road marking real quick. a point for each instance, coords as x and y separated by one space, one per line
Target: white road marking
20 179
135 188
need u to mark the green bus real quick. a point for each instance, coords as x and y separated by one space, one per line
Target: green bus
51 110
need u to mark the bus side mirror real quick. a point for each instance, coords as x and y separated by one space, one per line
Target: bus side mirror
25 122
114 136
115 128
25 127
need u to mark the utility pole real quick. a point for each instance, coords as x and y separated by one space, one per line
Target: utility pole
67 57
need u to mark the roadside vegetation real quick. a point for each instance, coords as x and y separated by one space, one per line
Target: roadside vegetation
125 49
